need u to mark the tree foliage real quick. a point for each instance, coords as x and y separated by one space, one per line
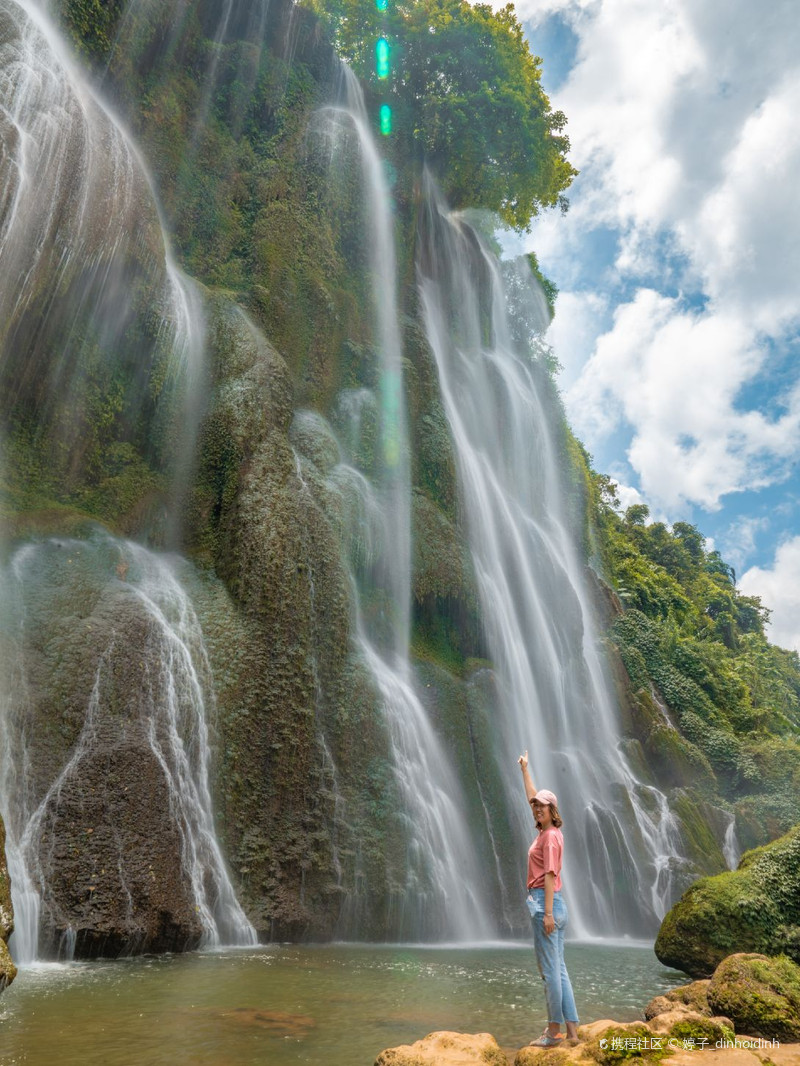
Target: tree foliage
691 637
467 100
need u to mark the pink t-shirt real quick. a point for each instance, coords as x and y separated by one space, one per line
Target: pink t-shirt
544 857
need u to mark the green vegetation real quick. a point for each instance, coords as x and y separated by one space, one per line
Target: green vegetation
760 995
690 638
754 908
631 1043
467 99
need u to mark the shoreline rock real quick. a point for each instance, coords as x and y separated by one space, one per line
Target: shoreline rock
742 1016
8 970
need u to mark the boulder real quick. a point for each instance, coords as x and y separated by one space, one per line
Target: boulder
8 970
446 1049
760 994
692 1027
691 997
754 908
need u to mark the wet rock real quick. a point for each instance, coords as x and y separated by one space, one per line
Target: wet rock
446 1049
760 994
8 970
691 1027
110 683
693 997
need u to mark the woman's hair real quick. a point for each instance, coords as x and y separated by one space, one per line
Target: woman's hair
557 820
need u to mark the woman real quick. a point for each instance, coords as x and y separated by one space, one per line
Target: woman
548 913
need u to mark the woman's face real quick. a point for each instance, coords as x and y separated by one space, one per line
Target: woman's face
542 813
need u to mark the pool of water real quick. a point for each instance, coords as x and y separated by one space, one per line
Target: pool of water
279 1005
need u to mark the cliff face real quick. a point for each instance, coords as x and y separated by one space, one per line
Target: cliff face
236 419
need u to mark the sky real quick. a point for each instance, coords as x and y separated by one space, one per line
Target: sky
677 323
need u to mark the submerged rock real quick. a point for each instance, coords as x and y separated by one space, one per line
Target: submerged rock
761 995
8 970
754 908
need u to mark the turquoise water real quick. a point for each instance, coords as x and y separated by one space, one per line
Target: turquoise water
280 1005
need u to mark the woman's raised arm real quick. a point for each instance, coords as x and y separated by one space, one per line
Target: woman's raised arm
527 780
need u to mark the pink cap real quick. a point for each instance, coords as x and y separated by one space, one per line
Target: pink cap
544 795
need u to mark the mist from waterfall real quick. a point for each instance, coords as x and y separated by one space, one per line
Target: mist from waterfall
482 319
442 897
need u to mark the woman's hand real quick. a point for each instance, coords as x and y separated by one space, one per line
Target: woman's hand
549 923
523 760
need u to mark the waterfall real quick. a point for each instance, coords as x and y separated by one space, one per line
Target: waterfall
164 718
86 275
88 288
480 317
730 847
442 896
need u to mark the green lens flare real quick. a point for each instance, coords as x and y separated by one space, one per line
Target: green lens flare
382 58
382 5
386 120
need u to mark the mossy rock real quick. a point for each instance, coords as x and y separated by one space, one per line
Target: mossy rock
8 970
6 910
694 996
761 995
537 1056
701 1030
622 1044
439 1049
754 908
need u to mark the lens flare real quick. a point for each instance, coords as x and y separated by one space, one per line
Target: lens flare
386 120
382 58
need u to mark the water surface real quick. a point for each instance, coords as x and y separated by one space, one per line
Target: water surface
280 1005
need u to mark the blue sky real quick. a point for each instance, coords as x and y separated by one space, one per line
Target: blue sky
678 264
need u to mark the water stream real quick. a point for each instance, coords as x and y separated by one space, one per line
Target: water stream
555 698
442 897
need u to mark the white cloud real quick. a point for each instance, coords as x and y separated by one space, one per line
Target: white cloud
779 589
739 539
579 317
674 377
682 118
627 495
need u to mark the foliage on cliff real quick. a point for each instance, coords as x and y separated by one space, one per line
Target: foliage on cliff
466 97
689 637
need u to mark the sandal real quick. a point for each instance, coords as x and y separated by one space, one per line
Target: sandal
546 1040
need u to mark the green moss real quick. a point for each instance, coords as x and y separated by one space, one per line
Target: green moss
761 995
633 1043
704 1031
754 908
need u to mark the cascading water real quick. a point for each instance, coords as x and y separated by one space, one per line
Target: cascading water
163 718
554 697
86 276
90 299
442 896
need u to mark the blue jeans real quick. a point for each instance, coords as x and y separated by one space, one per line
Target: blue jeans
550 958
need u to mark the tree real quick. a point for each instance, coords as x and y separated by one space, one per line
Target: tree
467 100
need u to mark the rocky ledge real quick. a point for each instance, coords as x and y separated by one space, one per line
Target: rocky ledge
747 1014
